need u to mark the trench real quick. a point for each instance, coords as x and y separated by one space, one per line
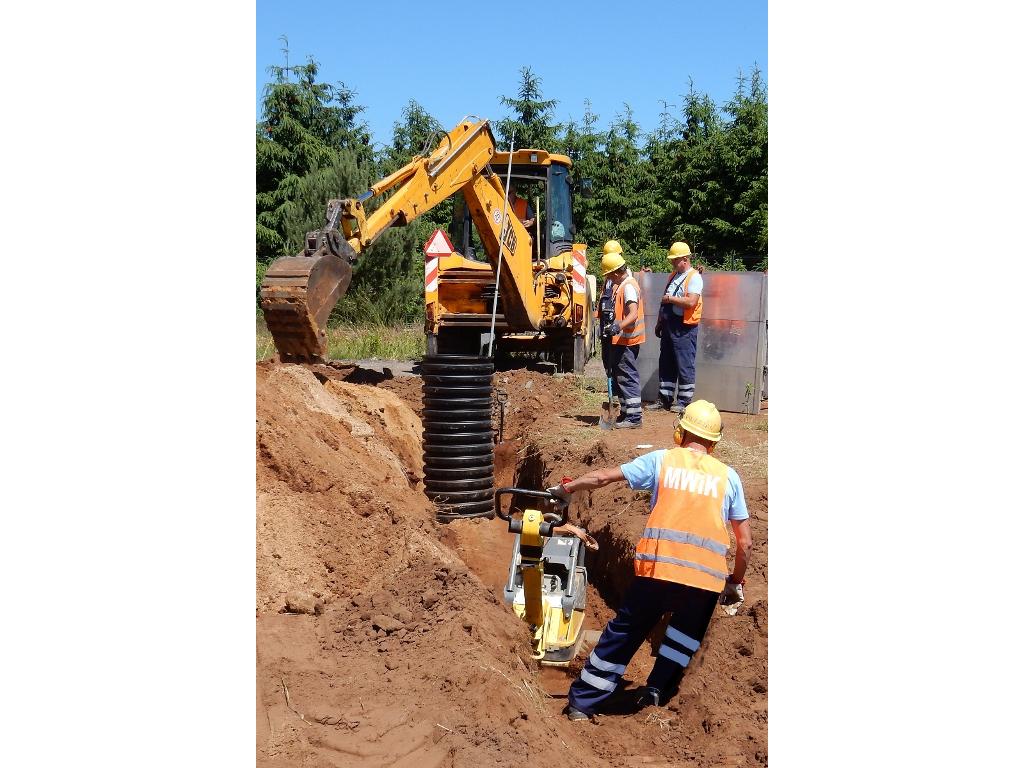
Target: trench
486 546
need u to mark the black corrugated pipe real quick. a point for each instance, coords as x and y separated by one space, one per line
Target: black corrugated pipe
458 439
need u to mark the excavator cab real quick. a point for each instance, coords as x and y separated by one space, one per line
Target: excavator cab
543 180
545 186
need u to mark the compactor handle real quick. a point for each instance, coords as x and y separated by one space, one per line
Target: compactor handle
547 527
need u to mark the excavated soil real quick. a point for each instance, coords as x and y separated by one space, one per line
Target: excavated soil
381 636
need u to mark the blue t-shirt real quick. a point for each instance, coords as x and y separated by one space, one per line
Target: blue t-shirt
675 287
642 474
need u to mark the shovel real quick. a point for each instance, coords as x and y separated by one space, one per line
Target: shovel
607 420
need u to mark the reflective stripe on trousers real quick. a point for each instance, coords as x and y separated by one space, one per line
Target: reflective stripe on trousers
683 636
677 362
641 609
627 379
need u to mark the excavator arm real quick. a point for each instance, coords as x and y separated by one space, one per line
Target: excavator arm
299 292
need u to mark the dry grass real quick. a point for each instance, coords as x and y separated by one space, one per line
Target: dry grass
592 392
358 342
747 460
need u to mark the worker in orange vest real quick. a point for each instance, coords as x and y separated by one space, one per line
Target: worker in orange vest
622 311
680 564
678 320
520 206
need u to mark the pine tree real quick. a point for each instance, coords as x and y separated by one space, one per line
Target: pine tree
748 153
581 143
308 129
532 116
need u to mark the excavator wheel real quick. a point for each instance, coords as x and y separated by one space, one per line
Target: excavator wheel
297 296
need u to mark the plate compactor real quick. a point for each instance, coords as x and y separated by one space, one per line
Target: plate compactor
547 578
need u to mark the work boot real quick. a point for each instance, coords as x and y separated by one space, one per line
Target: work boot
661 404
575 714
677 408
649 697
627 424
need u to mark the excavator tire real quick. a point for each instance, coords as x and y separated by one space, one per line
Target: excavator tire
297 296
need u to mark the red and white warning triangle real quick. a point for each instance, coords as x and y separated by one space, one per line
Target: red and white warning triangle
439 244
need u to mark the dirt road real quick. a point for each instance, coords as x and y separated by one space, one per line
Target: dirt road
381 636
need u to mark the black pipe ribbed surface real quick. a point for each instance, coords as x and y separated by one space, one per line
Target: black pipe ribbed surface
454 438
457 462
458 437
448 392
463 449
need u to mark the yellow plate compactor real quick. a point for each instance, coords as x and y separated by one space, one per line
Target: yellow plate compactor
547 578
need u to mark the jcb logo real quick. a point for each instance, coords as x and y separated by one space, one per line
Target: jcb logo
510 237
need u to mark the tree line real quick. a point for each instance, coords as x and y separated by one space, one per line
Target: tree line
700 176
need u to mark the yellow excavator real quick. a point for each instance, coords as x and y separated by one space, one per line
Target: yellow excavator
531 294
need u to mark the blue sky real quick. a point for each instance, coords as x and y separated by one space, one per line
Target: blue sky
461 63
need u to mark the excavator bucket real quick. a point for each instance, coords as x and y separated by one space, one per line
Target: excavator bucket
297 296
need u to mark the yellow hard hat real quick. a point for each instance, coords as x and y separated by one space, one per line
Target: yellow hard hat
611 262
678 250
702 419
612 246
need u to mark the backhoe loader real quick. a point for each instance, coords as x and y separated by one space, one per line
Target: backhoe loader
533 288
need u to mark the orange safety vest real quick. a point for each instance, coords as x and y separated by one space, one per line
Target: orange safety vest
636 335
685 540
520 210
691 315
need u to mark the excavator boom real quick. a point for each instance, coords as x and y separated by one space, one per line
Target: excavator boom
299 292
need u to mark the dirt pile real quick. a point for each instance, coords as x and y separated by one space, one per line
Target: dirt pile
411 660
533 398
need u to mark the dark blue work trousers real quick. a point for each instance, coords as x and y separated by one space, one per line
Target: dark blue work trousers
677 365
642 608
626 379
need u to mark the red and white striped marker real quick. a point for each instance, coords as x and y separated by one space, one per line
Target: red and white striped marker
579 270
437 245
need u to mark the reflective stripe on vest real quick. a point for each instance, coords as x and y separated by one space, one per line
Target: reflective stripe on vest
636 334
691 315
685 539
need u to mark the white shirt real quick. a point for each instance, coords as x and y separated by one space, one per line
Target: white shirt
675 287
630 292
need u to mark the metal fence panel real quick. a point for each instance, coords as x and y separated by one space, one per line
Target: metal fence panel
732 343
